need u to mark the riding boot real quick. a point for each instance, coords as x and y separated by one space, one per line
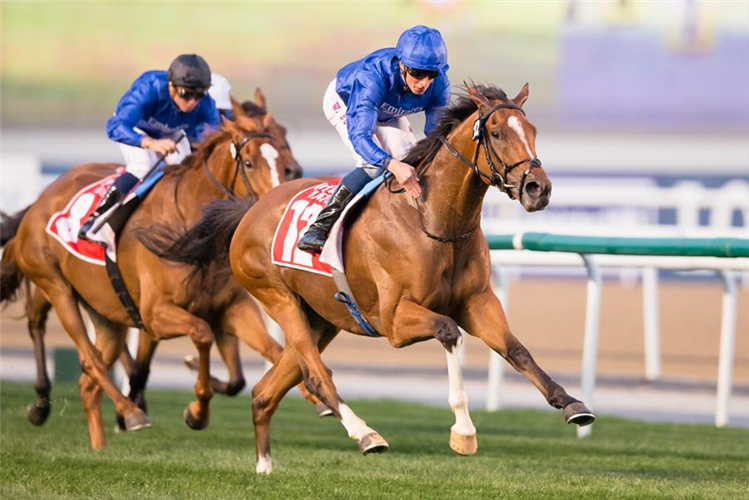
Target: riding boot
315 237
112 196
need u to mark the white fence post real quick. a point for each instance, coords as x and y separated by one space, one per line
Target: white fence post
590 343
496 364
651 307
727 343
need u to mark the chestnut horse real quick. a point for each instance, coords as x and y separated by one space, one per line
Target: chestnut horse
62 280
419 269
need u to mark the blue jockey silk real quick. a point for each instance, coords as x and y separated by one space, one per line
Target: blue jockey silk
148 106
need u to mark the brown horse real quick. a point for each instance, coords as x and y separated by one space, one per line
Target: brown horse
419 269
62 280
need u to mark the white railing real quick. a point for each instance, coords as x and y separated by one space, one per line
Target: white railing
728 268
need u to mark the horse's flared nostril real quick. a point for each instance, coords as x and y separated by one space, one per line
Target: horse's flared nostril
533 189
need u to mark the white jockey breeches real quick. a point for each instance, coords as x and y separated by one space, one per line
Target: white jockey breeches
139 161
394 136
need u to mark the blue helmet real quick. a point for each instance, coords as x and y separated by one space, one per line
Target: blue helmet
421 47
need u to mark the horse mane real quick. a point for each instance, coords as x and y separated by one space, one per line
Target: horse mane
454 115
204 150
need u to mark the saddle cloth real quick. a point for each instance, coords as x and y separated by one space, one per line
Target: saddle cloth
300 213
65 224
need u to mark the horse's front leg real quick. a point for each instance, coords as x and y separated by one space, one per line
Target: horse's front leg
172 321
482 316
413 322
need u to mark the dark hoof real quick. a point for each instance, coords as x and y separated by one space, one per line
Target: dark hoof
38 412
192 422
373 443
120 425
136 421
579 414
323 410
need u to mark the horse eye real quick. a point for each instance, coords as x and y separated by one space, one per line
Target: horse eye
248 163
495 134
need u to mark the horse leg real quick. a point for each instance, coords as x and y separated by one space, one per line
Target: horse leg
37 309
138 372
110 339
482 316
172 321
413 322
244 321
228 347
66 306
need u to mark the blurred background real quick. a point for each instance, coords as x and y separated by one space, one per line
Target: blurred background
643 117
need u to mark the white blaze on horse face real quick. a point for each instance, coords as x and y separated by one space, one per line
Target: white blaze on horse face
264 465
515 125
458 399
270 154
355 426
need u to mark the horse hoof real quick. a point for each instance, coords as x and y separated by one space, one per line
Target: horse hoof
136 421
323 410
373 443
579 414
463 445
192 422
38 413
191 362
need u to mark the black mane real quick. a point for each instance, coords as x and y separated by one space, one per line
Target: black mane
461 108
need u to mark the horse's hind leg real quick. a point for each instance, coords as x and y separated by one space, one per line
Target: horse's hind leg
413 322
110 339
138 370
243 320
482 316
37 309
172 321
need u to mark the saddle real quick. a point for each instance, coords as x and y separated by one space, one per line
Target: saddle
102 249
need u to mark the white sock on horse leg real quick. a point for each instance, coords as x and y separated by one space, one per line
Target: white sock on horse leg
458 399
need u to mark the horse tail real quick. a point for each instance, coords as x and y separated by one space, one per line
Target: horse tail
205 243
9 225
11 277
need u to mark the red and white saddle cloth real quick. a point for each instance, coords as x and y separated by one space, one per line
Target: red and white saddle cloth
299 215
65 224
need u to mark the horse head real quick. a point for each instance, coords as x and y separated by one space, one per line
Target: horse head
260 151
508 139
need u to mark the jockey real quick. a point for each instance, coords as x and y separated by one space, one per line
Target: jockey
367 103
149 118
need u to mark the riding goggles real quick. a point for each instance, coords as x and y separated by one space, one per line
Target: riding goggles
189 94
420 74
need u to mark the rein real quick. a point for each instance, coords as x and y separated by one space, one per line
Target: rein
495 179
239 167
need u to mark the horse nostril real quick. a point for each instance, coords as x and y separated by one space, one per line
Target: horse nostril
533 189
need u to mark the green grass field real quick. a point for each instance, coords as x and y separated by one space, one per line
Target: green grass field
522 454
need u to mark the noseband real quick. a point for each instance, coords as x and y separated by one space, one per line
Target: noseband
495 179
239 163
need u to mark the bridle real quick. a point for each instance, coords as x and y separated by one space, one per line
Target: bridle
496 178
239 163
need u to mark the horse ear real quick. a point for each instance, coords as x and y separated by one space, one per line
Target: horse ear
260 98
230 126
236 107
522 96
478 98
268 120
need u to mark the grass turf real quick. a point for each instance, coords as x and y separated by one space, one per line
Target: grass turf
522 454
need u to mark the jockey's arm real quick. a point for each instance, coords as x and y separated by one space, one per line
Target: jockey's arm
134 106
361 118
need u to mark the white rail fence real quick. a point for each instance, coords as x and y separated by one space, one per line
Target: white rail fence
727 256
